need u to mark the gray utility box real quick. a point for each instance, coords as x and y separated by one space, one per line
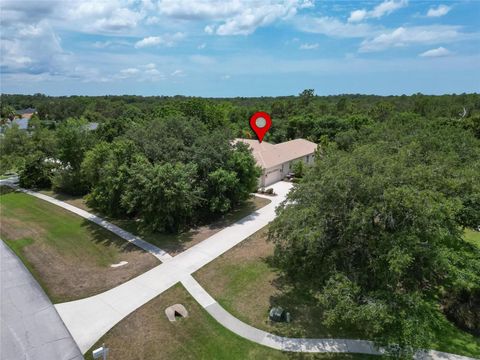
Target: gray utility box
278 314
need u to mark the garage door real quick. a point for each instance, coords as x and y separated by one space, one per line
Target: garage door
272 176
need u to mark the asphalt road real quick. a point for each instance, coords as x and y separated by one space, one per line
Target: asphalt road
30 326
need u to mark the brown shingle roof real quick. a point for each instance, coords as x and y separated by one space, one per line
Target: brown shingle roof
269 155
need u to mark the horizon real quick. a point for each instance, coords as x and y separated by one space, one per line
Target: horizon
215 49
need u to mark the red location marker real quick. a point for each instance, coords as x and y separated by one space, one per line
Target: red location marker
260 122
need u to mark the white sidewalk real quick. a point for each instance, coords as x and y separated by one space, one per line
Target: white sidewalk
88 319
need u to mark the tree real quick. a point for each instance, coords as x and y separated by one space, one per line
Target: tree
36 172
163 196
73 140
306 96
106 169
247 172
378 230
298 168
222 186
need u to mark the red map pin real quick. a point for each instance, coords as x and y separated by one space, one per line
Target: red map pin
260 122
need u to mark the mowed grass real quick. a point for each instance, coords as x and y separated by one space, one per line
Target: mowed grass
68 255
146 334
172 243
245 284
472 237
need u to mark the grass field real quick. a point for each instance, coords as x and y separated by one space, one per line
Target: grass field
147 334
172 243
69 256
245 284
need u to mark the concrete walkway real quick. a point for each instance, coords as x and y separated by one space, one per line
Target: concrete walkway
88 319
30 326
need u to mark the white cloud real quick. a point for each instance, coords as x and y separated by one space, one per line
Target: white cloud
35 49
357 15
149 66
385 8
440 10
201 46
438 52
164 40
308 46
129 71
414 35
239 17
333 27
177 73
226 77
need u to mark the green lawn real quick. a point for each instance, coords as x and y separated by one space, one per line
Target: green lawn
147 334
172 243
245 284
472 236
67 254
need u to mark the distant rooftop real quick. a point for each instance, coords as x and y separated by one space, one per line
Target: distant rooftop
26 111
269 155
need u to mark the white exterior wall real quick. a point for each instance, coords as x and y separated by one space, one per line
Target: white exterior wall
277 173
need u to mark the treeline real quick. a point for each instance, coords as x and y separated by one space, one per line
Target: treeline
305 115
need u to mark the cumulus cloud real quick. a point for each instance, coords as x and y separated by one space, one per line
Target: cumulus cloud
240 17
440 10
333 27
35 49
385 8
438 52
164 40
403 36
308 46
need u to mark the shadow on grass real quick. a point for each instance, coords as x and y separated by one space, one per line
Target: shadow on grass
4 190
107 238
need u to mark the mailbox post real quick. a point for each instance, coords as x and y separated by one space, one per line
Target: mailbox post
100 352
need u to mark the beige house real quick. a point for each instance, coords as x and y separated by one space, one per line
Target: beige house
276 160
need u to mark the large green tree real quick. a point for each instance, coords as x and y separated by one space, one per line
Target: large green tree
376 233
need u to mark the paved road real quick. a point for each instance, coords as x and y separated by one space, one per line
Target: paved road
30 326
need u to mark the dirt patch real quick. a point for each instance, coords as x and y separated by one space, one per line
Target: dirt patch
70 277
14 229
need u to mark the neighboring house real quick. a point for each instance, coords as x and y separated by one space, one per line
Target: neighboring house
26 113
276 160
21 123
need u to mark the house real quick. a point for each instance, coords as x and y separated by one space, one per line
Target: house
21 123
276 160
26 113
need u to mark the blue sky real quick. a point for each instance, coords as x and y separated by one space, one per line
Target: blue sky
240 47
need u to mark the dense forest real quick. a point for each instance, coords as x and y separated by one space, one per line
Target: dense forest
374 230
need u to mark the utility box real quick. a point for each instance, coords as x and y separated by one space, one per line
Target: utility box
278 314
